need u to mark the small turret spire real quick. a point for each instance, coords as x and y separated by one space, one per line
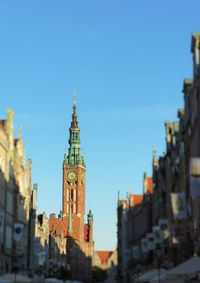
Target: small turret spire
74 95
74 155
155 160
118 198
70 227
90 216
74 123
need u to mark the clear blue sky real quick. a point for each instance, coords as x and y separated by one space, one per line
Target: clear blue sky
127 60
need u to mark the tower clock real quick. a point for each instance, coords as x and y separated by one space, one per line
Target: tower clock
74 171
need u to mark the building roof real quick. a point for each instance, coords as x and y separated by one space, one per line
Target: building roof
104 256
135 199
62 224
57 225
149 185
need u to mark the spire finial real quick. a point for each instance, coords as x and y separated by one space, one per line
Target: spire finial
155 161
74 123
74 93
118 194
154 150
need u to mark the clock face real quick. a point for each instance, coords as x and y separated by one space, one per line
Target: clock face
71 176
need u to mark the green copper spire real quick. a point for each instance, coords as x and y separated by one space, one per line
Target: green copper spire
74 154
90 216
70 227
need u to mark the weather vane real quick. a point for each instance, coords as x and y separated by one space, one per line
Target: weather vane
74 93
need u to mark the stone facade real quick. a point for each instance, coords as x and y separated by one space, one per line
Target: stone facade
17 206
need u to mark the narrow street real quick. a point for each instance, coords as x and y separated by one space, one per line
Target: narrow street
99 141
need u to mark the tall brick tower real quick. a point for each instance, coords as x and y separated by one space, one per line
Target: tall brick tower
74 172
71 221
74 182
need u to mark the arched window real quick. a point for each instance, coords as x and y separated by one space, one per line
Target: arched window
67 195
74 195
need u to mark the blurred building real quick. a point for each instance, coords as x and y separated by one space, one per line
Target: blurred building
134 221
69 233
106 260
122 239
17 201
164 226
41 243
193 110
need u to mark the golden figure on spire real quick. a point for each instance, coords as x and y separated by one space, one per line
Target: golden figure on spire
74 93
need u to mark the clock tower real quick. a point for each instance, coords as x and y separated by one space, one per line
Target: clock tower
74 237
74 176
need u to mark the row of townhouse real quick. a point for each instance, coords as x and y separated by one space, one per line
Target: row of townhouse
17 202
56 254
162 226
134 222
50 249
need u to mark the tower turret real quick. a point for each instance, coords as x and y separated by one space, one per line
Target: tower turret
155 160
90 216
74 153
74 172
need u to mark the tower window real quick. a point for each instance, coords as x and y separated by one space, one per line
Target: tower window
72 194
67 195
